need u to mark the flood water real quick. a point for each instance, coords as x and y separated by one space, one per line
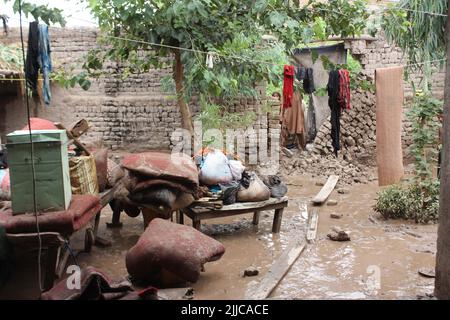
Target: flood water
380 262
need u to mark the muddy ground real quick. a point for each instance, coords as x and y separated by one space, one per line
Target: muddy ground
389 251
380 262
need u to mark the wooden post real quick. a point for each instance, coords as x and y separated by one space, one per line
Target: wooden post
197 224
442 281
116 209
256 218
277 220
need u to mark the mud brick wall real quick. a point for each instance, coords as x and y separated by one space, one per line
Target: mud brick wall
134 113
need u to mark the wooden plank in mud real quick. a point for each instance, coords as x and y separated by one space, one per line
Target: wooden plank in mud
325 192
313 222
278 270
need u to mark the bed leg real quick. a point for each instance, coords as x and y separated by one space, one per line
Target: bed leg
115 223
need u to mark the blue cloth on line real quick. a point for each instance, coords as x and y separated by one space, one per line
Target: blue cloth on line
45 61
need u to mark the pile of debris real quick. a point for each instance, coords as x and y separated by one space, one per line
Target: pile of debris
323 166
358 146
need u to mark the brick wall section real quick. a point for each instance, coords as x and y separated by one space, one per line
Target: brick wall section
133 113
359 125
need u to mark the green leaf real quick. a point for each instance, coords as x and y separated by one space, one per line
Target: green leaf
314 56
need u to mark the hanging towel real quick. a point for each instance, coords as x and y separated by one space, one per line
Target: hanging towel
32 63
389 94
288 86
45 61
307 76
333 95
344 89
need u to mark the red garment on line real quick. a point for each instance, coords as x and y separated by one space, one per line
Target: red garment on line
344 89
288 86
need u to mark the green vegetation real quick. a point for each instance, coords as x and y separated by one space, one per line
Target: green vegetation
408 202
11 58
420 199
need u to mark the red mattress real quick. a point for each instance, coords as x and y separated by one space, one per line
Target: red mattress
82 209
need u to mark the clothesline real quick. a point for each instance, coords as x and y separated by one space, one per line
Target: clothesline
405 66
384 9
216 54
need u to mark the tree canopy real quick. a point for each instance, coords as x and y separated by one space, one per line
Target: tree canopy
230 29
39 12
418 28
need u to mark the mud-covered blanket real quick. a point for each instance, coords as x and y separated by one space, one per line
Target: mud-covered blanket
177 248
95 285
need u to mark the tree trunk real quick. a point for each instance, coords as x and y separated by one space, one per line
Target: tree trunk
442 282
186 118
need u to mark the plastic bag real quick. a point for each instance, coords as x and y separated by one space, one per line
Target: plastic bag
215 169
237 168
257 191
5 189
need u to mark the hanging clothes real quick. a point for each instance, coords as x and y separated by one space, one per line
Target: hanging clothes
307 76
333 95
45 61
288 86
32 62
344 89
293 121
311 123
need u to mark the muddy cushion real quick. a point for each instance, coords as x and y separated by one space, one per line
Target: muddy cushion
82 209
101 164
165 166
115 173
179 249
95 285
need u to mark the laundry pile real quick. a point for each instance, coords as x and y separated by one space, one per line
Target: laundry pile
162 182
227 180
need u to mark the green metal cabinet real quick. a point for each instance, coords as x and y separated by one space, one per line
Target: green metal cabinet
53 190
